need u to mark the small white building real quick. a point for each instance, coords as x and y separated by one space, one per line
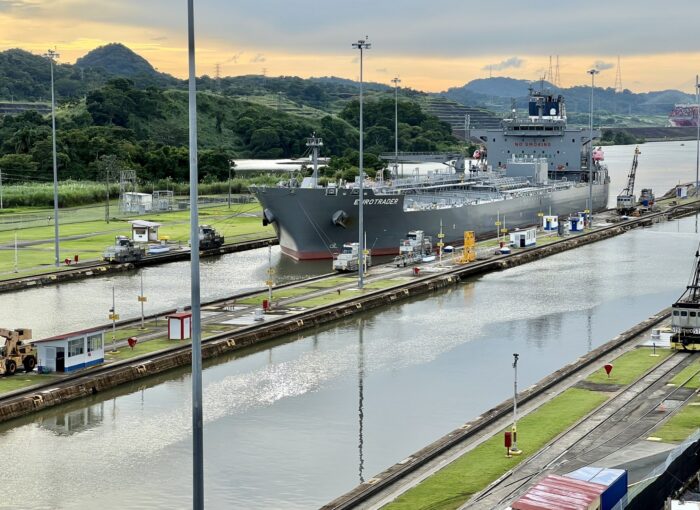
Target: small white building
180 326
523 238
138 203
550 222
71 351
682 191
144 231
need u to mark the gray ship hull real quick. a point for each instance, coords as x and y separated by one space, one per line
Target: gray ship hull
306 219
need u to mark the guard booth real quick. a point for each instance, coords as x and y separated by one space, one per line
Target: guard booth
179 326
523 238
550 223
682 191
69 352
144 231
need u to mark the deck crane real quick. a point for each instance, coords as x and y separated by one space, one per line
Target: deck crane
685 313
626 201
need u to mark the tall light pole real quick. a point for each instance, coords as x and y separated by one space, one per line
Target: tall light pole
592 72
697 145
514 450
197 420
361 45
52 56
396 82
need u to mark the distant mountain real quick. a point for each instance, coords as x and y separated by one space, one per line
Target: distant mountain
497 94
118 60
503 87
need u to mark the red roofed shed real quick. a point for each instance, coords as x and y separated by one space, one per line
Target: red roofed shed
560 493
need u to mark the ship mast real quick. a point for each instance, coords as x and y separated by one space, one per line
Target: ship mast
314 143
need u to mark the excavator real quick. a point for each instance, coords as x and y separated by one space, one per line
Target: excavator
16 351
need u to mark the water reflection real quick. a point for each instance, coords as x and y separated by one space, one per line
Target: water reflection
360 390
75 421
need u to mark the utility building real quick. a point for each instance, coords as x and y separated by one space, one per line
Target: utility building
71 351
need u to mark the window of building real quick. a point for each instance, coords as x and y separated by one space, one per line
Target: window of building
76 347
94 343
684 314
676 313
692 314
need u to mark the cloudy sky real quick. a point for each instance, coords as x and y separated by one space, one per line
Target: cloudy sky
430 44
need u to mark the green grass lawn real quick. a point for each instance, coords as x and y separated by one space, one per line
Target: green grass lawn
457 482
628 367
687 372
681 425
276 295
333 281
141 348
22 380
385 284
233 223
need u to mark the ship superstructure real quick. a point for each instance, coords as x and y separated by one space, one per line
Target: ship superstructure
535 164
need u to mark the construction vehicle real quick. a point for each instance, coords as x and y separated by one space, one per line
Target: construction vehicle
414 248
626 201
209 238
16 351
123 251
348 259
646 200
685 314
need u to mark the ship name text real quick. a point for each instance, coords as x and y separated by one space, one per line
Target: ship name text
377 201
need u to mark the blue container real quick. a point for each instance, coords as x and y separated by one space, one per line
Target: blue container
614 479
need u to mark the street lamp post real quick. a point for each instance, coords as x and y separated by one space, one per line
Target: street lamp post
197 414
592 72
52 56
231 164
396 82
697 148
361 45
514 450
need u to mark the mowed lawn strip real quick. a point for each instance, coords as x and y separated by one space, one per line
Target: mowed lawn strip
630 366
473 471
688 372
23 380
682 424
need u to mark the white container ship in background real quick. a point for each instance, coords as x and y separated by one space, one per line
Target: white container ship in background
536 164
684 115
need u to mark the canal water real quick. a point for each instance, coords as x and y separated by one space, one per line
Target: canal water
72 306
297 423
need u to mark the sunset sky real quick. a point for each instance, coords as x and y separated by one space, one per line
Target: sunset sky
431 45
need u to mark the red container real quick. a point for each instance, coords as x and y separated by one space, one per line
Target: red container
266 305
416 271
76 258
508 440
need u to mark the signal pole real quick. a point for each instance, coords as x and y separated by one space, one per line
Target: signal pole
592 72
396 82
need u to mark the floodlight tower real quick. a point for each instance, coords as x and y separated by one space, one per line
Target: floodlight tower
396 82
592 72
53 56
361 45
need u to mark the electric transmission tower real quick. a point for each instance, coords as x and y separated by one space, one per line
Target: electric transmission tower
618 76
557 78
550 76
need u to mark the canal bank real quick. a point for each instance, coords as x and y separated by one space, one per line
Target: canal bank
294 320
406 476
299 421
89 269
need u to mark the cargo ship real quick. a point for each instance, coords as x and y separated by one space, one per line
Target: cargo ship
684 115
535 165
